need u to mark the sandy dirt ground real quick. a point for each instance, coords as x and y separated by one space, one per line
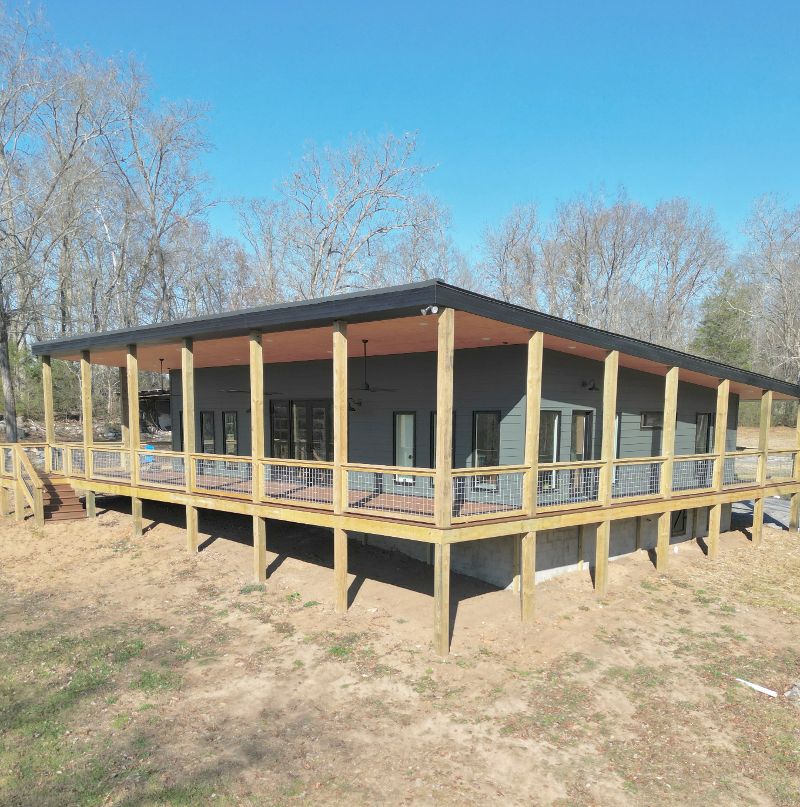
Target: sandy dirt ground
779 437
135 673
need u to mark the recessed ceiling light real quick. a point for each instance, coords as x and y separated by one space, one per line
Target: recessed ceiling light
486 339
572 347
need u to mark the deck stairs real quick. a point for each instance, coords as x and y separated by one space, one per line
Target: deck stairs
61 502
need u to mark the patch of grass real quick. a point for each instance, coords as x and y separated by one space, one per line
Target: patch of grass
310 604
128 650
157 681
251 588
294 597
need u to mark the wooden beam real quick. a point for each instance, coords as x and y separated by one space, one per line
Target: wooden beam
714 521
340 436
49 414
601 548
259 549
758 521
441 599
187 388
662 545
443 494
340 569
528 568
721 433
136 514
610 375
764 423
533 414
134 430
257 447
794 506
124 415
86 407
516 585
192 528
668 429
581 536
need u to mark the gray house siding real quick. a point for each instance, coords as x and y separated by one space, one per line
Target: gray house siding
484 379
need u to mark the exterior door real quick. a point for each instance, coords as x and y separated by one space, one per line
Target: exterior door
582 437
704 433
405 440
301 430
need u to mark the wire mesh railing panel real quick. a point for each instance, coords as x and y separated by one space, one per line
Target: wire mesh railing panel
402 492
77 461
26 480
557 487
227 477
312 484
111 464
8 461
739 470
693 474
162 470
780 466
487 494
637 479
57 459
36 456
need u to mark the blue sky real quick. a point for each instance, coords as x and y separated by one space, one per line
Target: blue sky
513 102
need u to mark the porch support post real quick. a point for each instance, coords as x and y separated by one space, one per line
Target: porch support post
443 495
794 507
88 432
601 547
259 549
124 416
4 506
340 437
763 448
131 388
533 412
516 585
668 429
187 389
662 545
528 569
718 477
49 417
340 569
610 374
441 599
192 528
256 413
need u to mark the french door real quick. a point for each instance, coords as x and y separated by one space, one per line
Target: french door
301 430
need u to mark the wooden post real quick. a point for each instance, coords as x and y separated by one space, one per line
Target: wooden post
257 413
763 448
340 437
443 494
533 414
136 516
528 568
49 415
610 375
4 503
662 546
259 549
668 429
601 547
124 401
441 599
714 521
581 535
133 442
794 507
192 528
516 586
88 430
340 568
721 433
187 388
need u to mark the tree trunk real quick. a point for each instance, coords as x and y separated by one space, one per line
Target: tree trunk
8 386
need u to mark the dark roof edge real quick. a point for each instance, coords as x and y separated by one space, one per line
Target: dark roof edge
398 301
480 304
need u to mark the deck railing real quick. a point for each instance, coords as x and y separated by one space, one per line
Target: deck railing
392 491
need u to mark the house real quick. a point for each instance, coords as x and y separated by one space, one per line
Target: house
478 435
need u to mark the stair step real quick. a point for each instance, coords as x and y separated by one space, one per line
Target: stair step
60 515
76 507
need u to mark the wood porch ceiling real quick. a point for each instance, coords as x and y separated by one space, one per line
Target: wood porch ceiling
416 334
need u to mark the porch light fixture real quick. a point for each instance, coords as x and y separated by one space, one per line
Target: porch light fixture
429 309
590 385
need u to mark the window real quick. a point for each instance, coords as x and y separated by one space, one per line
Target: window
549 429
405 443
207 432
485 439
704 433
678 526
433 439
301 430
230 432
581 447
652 420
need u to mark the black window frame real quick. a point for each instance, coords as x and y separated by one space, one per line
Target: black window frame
210 412
588 440
475 413
657 427
235 413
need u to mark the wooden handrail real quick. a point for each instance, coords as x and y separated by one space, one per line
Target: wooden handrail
388 469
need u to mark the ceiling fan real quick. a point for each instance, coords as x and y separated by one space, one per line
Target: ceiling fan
366 386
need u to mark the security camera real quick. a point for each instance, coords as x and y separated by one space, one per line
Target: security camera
429 309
